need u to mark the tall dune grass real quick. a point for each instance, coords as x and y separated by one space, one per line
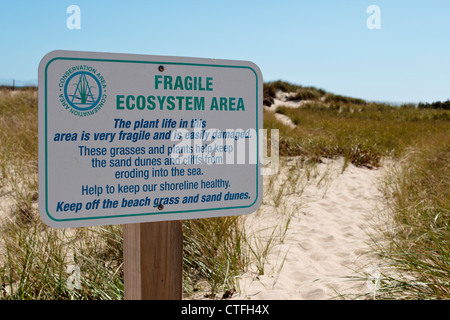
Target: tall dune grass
417 251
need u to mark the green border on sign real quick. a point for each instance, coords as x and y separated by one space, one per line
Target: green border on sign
146 62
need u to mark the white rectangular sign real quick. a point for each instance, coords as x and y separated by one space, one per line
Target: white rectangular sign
136 138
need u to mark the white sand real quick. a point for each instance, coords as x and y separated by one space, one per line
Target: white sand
327 236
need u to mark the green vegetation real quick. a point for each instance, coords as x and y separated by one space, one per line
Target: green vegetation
363 133
417 252
214 254
435 105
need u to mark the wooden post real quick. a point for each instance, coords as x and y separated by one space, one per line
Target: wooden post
153 260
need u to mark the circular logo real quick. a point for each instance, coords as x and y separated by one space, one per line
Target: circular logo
82 91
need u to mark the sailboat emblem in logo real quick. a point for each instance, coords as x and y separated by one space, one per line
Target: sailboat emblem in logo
82 91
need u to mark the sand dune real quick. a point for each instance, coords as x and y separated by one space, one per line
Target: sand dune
317 232
282 99
327 240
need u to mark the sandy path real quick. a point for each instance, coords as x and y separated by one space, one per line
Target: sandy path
326 239
282 99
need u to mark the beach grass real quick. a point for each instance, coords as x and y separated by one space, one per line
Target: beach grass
416 249
38 262
363 133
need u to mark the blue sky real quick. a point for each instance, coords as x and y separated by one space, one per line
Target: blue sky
321 43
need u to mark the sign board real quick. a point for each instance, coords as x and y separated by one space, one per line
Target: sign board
137 138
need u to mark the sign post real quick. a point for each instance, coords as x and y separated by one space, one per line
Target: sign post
153 260
147 141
